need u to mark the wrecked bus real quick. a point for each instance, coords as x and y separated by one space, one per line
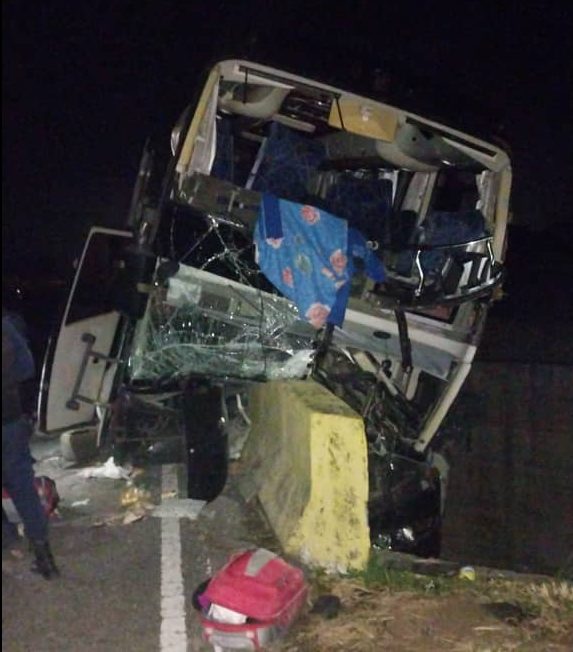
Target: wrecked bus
299 231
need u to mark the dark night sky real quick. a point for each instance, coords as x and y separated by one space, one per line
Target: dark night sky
86 82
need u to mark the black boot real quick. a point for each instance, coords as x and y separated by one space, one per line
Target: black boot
44 562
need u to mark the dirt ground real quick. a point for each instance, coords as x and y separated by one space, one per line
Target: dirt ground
401 611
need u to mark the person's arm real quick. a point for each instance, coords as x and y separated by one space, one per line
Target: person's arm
17 360
8 353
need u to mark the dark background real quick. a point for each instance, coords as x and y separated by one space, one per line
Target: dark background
85 83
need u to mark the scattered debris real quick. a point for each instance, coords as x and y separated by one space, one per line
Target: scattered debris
108 470
169 494
79 445
430 586
327 606
467 573
547 605
132 516
110 519
237 431
134 496
139 502
510 612
16 553
80 503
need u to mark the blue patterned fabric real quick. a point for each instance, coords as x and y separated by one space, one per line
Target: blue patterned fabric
307 254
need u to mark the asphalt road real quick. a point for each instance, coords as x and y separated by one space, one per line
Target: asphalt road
118 588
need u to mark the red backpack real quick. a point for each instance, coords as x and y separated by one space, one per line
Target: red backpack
262 594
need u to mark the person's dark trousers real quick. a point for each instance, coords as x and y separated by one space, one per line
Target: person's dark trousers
18 480
9 532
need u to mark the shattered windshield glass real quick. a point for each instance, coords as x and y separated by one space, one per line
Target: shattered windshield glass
202 324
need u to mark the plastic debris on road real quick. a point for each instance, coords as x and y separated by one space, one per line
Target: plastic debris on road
467 573
136 496
108 470
139 504
132 516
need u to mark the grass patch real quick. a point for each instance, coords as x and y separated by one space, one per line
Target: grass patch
385 607
379 576
549 605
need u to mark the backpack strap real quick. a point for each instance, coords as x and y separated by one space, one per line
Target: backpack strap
259 558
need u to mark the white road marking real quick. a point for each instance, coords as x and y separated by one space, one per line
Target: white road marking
173 635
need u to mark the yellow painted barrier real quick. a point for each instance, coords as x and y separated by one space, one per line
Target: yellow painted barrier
306 461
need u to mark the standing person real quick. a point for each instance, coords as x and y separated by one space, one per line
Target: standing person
17 462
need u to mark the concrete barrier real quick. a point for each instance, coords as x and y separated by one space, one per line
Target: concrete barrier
306 461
